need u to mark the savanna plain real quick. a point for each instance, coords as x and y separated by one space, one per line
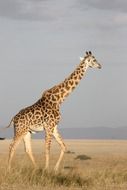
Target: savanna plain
87 165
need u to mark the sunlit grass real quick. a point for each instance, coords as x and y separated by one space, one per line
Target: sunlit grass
92 172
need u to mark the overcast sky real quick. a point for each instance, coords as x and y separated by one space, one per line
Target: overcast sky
40 45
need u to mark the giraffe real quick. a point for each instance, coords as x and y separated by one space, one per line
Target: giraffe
45 114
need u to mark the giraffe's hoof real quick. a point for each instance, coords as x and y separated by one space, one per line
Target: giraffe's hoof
46 169
8 169
35 165
56 169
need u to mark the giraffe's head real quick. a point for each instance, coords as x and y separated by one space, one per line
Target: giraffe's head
90 60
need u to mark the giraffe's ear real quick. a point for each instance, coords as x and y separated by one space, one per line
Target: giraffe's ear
81 58
87 53
90 53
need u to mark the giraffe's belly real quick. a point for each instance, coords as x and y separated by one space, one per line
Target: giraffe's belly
37 128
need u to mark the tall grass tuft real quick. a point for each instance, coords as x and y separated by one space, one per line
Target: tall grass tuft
33 177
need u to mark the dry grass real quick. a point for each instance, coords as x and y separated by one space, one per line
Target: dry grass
105 170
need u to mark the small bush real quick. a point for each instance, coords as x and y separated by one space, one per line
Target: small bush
83 157
70 152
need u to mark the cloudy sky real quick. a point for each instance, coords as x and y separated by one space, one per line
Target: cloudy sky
40 45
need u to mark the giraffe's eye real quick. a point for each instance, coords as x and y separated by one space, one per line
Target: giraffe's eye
94 60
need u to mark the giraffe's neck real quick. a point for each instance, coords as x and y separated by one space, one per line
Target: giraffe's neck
69 84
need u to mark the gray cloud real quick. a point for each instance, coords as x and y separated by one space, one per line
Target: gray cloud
66 11
9 8
34 9
25 9
117 5
111 14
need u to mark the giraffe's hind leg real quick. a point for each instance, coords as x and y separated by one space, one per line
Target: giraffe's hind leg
16 140
62 145
28 149
48 138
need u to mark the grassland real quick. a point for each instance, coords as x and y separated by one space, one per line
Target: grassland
88 165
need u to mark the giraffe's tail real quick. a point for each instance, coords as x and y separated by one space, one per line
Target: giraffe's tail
10 124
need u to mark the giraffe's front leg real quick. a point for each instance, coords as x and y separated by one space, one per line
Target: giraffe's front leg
48 138
62 145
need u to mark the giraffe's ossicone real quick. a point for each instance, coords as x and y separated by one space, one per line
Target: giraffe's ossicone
45 113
